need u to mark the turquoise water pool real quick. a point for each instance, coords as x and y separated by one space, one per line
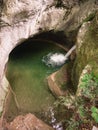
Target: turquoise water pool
27 75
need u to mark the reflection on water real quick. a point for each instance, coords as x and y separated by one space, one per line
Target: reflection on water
27 76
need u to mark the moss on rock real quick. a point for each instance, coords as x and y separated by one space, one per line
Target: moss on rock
85 78
60 81
87 47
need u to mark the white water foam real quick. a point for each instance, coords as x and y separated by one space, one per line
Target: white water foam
54 59
57 59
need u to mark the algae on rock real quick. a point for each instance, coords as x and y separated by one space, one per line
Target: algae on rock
87 47
85 77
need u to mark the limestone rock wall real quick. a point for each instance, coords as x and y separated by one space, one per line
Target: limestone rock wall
87 48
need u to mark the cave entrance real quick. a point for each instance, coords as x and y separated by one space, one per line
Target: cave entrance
27 75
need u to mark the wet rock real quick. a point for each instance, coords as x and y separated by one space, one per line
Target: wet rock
87 47
54 87
28 122
85 73
59 81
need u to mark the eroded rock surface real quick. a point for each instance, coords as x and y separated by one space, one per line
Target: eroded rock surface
27 122
87 48
85 77
60 82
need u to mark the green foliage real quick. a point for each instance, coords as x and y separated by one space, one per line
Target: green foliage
82 111
94 114
86 78
0 114
67 101
90 17
95 78
73 124
89 85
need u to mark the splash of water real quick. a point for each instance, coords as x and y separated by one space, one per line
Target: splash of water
56 125
54 59
57 59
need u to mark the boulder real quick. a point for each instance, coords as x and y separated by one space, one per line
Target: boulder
87 48
60 82
27 122
54 87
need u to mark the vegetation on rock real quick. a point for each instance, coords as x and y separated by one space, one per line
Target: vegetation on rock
84 103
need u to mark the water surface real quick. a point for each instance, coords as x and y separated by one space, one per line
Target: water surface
27 75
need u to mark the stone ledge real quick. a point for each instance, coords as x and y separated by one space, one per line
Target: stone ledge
54 87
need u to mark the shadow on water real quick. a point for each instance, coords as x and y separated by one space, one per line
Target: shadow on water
27 75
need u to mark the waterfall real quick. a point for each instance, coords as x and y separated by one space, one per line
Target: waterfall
57 59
